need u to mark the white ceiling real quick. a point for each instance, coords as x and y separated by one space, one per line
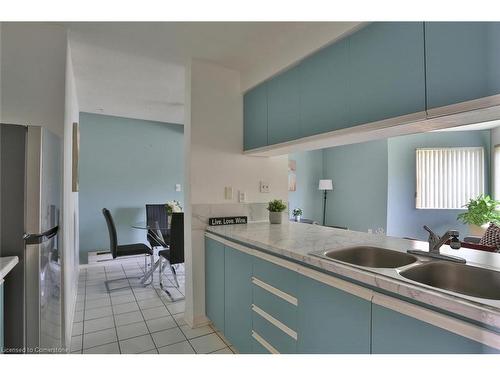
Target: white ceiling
137 69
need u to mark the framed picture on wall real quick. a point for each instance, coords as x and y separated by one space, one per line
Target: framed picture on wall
75 157
292 177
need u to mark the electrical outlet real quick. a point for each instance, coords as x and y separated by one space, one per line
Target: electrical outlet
228 193
242 197
264 187
178 187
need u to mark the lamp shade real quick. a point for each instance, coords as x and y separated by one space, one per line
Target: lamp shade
325 185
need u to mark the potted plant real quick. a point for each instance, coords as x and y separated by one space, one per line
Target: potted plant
297 214
480 212
275 208
173 206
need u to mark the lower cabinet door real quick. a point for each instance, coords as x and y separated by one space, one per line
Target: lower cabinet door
331 320
214 282
1 316
396 333
238 303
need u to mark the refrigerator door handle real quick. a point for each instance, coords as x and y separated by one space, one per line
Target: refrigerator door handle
38 238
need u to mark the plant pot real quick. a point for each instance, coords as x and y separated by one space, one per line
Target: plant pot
297 218
478 231
275 217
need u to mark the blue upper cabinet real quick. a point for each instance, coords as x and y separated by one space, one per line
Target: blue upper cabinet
387 72
284 107
324 87
461 61
255 117
238 299
214 282
331 320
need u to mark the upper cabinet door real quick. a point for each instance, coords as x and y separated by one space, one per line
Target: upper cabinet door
324 83
255 117
461 61
284 107
387 71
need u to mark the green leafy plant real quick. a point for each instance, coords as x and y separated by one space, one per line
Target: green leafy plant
297 212
173 206
480 211
276 205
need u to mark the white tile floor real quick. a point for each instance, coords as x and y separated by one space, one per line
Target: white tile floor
135 319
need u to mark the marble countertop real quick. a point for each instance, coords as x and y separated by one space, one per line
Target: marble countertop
6 265
297 241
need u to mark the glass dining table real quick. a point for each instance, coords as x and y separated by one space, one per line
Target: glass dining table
156 231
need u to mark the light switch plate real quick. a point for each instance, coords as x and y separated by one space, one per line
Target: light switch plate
178 187
228 193
264 187
242 197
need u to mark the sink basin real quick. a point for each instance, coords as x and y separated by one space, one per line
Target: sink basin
460 278
369 256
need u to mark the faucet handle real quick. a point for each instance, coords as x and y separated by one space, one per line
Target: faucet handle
429 230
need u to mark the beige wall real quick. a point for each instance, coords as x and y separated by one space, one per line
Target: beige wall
214 159
70 203
33 75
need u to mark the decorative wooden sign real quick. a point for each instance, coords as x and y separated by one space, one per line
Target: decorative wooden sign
227 220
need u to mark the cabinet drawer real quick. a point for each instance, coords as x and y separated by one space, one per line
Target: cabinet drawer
278 304
278 277
282 341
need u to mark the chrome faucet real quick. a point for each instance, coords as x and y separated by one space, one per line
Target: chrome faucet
435 243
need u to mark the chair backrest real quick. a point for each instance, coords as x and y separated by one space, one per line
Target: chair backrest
157 213
113 241
177 238
157 220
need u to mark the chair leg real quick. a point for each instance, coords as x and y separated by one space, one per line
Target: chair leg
160 268
172 299
174 272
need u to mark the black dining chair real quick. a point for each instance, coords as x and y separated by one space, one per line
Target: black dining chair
174 255
157 222
125 250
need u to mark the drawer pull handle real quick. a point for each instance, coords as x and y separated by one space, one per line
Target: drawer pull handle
278 293
275 322
271 349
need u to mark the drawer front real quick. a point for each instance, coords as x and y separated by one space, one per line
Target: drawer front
272 334
285 310
276 276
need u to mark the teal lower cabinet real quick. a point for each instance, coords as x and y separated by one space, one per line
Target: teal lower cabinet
214 282
265 304
238 299
1 316
332 320
399 327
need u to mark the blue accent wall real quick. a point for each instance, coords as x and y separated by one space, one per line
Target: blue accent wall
307 196
124 164
359 197
374 184
403 219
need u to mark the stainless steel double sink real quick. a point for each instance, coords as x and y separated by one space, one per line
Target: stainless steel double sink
459 278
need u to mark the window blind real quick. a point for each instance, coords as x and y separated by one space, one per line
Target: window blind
448 177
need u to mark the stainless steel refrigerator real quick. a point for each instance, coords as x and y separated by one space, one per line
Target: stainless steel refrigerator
30 201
